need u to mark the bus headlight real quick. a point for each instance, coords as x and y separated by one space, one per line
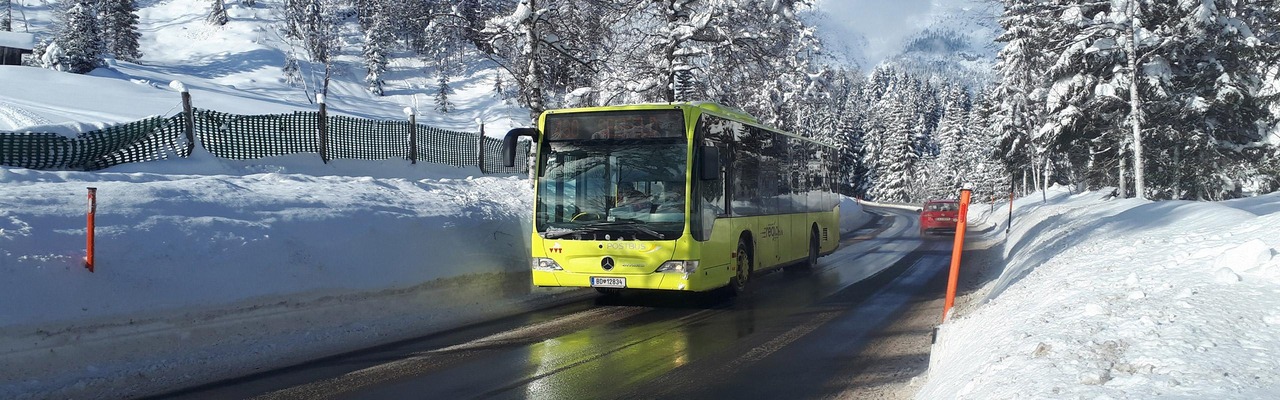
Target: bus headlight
682 267
546 264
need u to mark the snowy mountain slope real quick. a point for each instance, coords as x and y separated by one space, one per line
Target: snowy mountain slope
952 39
956 45
237 68
1121 299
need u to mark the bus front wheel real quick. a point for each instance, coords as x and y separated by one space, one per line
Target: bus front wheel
738 284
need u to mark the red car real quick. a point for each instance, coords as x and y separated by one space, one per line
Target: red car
939 216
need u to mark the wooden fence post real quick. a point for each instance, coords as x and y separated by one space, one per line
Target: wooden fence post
480 152
189 121
413 134
320 127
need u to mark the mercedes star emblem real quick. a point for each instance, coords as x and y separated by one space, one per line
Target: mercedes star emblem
606 263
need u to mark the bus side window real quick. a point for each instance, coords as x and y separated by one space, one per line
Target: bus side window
710 195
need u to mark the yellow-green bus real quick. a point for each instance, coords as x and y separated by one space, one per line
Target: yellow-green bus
611 187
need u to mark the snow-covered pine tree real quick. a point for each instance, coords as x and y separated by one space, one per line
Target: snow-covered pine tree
1215 113
499 86
1021 64
365 11
120 28
475 13
320 30
761 42
217 13
896 167
442 94
849 135
894 135
79 41
444 51
6 16
1082 105
292 74
987 174
952 164
377 39
295 19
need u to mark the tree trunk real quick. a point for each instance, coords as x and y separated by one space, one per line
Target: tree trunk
1024 182
1035 175
1135 104
1122 190
534 81
1044 183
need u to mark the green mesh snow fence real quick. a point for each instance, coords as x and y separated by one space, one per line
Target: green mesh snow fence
446 147
248 137
493 157
154 138
366 139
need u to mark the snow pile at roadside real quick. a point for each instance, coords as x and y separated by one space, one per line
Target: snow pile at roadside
852 216
1122 299
244 267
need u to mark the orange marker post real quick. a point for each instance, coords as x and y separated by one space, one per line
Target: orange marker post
956 249
93 208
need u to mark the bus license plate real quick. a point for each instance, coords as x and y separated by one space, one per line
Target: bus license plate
608 282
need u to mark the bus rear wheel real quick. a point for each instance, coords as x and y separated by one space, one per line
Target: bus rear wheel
814 250
810 263
738 284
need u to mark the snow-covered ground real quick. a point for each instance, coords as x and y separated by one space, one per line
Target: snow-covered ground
244 266
1113 299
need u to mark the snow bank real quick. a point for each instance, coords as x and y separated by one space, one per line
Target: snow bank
206 276
852 216
1105 298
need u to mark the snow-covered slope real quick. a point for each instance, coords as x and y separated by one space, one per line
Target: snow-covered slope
952 40
956 45
234 68
233 267
1107 298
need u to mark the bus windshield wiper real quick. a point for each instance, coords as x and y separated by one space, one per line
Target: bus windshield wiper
566 232
605 226
630 223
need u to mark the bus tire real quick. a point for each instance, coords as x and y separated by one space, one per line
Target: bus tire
742 275
815 250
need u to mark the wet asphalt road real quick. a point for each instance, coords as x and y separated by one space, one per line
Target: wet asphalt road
795 335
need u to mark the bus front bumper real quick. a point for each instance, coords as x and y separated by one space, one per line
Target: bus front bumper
656 281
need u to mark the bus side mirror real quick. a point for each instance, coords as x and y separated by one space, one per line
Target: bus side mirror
509 144
709 163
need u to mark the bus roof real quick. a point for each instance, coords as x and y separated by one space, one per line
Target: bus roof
704 106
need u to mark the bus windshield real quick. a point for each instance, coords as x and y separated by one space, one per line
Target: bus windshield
630 189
